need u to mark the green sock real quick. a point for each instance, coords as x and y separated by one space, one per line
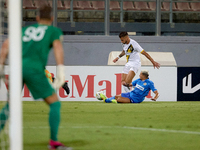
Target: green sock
4 114
54 119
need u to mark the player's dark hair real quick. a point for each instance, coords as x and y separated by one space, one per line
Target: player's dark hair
123 34
45 12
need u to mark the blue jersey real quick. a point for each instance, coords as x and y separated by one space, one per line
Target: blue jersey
141 90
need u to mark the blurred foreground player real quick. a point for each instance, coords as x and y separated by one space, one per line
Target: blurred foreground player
52 79
37 40
142 87
131 49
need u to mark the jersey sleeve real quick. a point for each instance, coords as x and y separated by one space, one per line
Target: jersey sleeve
152 87
138 47
57 35
135 82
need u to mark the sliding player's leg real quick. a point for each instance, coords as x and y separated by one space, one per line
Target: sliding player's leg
123 98
111 100
108 100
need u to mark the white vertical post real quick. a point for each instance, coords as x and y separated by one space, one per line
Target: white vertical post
15 62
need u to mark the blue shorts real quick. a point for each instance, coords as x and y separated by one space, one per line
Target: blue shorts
127 95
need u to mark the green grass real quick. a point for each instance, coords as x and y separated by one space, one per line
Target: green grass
100 126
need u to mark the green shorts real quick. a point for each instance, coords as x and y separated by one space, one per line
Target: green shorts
38 84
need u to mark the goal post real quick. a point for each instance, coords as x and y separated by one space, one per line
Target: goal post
15 79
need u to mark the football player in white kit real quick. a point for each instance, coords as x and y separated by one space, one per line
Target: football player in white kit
131 49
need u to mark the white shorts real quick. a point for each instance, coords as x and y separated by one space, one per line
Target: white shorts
131 67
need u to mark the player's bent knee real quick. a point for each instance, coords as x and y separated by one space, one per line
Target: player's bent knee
117 97
51 99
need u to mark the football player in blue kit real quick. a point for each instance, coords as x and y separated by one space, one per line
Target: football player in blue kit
142 87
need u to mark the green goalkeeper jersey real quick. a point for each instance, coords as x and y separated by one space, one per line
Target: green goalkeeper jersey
37 41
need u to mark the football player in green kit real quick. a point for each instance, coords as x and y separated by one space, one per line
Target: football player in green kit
37 41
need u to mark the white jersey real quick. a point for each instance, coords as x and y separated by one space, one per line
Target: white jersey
132 51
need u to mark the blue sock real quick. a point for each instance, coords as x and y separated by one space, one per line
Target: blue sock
109 100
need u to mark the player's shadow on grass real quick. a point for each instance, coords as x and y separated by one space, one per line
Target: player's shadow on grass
43 145
77 143
35 145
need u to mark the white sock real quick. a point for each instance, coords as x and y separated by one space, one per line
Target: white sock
126 89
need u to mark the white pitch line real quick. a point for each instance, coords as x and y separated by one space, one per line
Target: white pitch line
140 128
162 130
124 127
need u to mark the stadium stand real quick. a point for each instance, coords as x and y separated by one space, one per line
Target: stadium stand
28 4
39 3
128 6
75 5
98 5
141 11
60 5
6 4
166 6
85 5
152 6
195 6
114 5
142 6
183 6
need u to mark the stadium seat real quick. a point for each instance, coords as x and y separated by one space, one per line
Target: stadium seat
128 6
195 6
166 6
114 5
85 5
183 6
98 5
59 5
27 4
5 4
75 5
39 3
152 5
141 6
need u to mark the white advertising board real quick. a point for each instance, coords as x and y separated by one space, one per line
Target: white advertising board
85 81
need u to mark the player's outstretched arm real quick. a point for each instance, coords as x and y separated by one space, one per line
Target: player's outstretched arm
155 64
121 55
59 56
4 52
156 96
3 56
58 52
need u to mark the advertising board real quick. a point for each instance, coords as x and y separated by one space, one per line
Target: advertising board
188 84
85 81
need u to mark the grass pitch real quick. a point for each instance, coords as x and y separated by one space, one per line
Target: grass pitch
101 126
